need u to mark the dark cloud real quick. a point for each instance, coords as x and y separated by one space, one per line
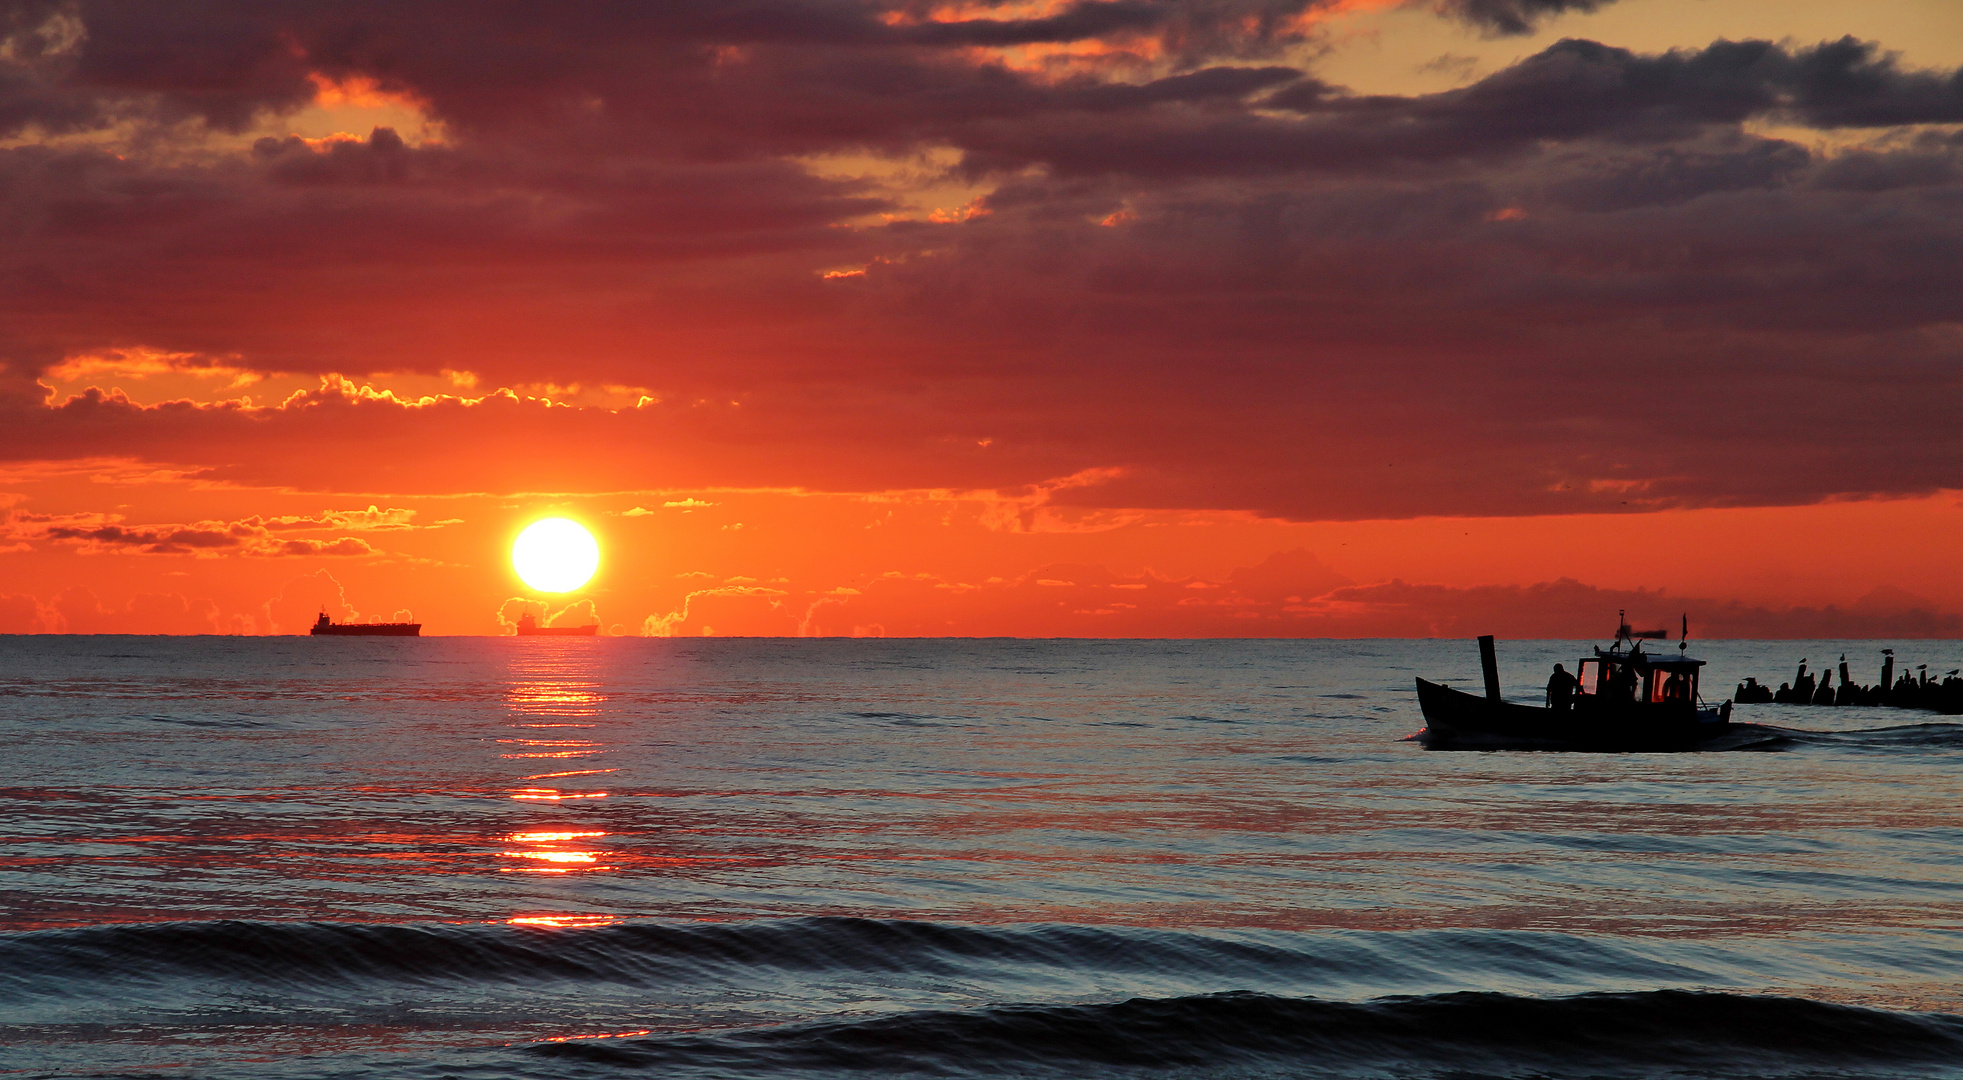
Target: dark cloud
1871 172
1075 23
383 158
228 62
1578 89
98 533
1581 283
74 66
1851 83
1228 83
1511 18
346 545
1570 92
1675 174
152 540
779 76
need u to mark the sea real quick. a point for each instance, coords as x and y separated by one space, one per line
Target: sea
616 857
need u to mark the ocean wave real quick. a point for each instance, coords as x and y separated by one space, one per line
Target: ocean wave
1245 1033
69 962
822 996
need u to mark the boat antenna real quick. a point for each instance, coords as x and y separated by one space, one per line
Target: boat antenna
1684 641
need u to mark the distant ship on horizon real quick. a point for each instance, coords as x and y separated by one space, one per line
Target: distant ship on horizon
326 627
529 627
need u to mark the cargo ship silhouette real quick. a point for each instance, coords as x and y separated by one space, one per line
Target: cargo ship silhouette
529 627
326 627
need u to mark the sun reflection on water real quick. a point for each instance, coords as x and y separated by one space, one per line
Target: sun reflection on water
554 685
550 837
564 922
563 862
574 699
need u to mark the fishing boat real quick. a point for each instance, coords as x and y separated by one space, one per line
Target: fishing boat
326 627
529 627
1626 699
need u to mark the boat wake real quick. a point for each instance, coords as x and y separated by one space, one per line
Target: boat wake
1933 736
1737 736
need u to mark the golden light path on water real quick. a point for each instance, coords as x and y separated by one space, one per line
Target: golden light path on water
555 685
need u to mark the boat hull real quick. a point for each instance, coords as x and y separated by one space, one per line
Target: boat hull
558 631
369 630
1456 720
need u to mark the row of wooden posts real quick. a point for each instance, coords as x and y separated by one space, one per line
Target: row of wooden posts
1918 690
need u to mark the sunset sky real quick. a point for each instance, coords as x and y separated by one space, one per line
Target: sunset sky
1107 318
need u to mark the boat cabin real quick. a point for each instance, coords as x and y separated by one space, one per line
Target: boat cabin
1636 676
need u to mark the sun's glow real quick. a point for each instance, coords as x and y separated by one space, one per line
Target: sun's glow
555 555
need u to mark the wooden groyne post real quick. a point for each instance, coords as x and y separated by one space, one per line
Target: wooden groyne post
1490 664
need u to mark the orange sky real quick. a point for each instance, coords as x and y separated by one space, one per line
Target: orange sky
1313 318
927 562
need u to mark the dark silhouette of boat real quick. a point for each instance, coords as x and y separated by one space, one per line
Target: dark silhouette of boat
529 627
1625 700
326 627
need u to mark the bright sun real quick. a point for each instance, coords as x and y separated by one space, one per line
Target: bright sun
555 555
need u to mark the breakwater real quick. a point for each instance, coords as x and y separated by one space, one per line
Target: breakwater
1911 689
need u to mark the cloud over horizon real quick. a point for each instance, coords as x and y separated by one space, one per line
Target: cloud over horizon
1592 280
1123 259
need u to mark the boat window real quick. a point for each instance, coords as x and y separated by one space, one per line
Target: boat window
1589 674
1673 687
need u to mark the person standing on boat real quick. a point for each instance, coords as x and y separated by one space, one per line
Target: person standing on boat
1622 686
1676 689
1561 688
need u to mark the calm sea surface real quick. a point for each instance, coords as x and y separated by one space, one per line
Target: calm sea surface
472 857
